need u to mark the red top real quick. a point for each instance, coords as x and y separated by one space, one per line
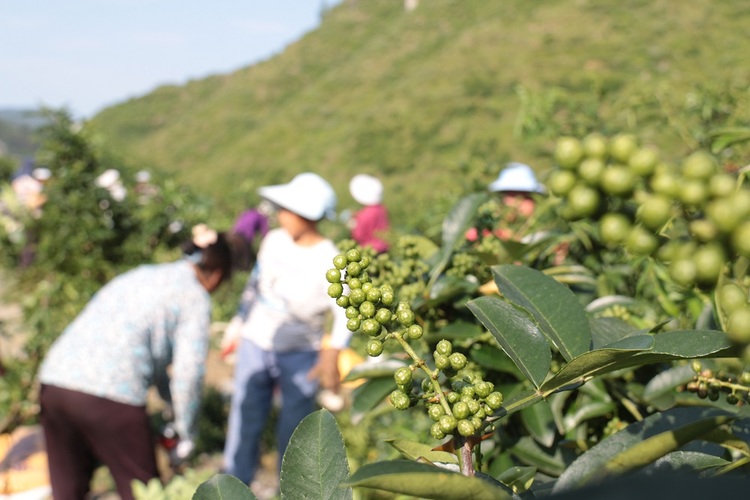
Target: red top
370 223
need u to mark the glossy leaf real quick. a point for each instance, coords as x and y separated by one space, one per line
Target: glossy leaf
413 450
315 460
605 331
374 369
494 358
549 461
599 361
516 334
660 390
685 462
593 463
223 487
424 481
540 423
519 479
370 394
459 329
553 305
587 411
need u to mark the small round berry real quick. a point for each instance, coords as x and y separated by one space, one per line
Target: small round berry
476 422
436 432
333 275
371 327
387 297
373 294
745 378
343 301
461 410
415 332
335 290
482 389
453 397
402 376
351 312
340 261
353 269
354 283
403 306
383 316
447 423
732 399
465 427
467 391
441 361
494 400
400 400
444 347
374 348
352 324
406 318
353 255
473 406
435 412
356 297
366 286
364 262
367 309
457 360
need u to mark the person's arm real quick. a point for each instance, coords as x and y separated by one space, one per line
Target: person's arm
327 367
233 331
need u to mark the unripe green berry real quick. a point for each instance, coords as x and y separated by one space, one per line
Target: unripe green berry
696 366
427 385
482 389
353 324
366 286
481 413
414 332
405 388
400 400
402 376
745 378
476 422
353 255
387 297
435 412
364 262
436 432
453 397
473 406
333 275
354 283
403 306
457 360
441 361
374 347
447 423
340 261
461 410
465 427
373 294
352 312
356 297
353 269
335 290
367 309
732 399
371 327
383 316
406 318
343 301
444 347
494 400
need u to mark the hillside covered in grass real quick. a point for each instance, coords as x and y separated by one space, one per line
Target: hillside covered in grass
436 100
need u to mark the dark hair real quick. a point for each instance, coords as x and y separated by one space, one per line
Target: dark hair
218 255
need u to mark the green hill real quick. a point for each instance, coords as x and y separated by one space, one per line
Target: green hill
436 100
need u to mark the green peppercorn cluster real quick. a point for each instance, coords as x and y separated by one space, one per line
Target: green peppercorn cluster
707 384
370 309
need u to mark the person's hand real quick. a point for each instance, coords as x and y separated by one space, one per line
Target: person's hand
231 338
327 370
181 452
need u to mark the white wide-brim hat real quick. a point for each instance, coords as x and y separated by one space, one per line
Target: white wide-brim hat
366 189
516 177
307 195
108 178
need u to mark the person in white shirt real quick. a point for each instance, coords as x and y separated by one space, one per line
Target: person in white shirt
281 322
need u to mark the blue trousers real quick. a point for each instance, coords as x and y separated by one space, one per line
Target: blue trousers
256 374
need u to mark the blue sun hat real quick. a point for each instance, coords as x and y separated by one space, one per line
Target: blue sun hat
307 195
516 177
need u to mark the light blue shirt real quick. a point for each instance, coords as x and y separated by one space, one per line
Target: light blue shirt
130 332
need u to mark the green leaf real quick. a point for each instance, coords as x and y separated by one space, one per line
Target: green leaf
517 335
660 390
554 306
586 411
424 481
223 487
494 358
686 462
459 329
454 230
315 461
413 450
659 425
370 394
519 479
605 331
688 344
540 423
381 368
588 364
549 461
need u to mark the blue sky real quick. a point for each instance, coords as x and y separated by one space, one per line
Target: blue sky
89 54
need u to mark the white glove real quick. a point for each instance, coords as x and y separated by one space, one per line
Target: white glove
181 452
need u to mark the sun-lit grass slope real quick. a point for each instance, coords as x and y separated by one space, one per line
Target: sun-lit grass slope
456 87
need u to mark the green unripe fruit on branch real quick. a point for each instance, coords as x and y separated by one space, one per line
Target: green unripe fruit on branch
595 146
435 412
403 376
353 324
461 410
383 316
353 255
614 228
406 318
568 152
414 332
351 312
447 423
560 182
371 327
340 261
335 290
618 180
465 427
622 147
353 269
444 347
343 301
731 297
357 297
400 400
374 347
655 211
333 275
494 400
367 309
457 360
441 361
436 432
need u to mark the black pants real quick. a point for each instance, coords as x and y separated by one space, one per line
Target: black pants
83 431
